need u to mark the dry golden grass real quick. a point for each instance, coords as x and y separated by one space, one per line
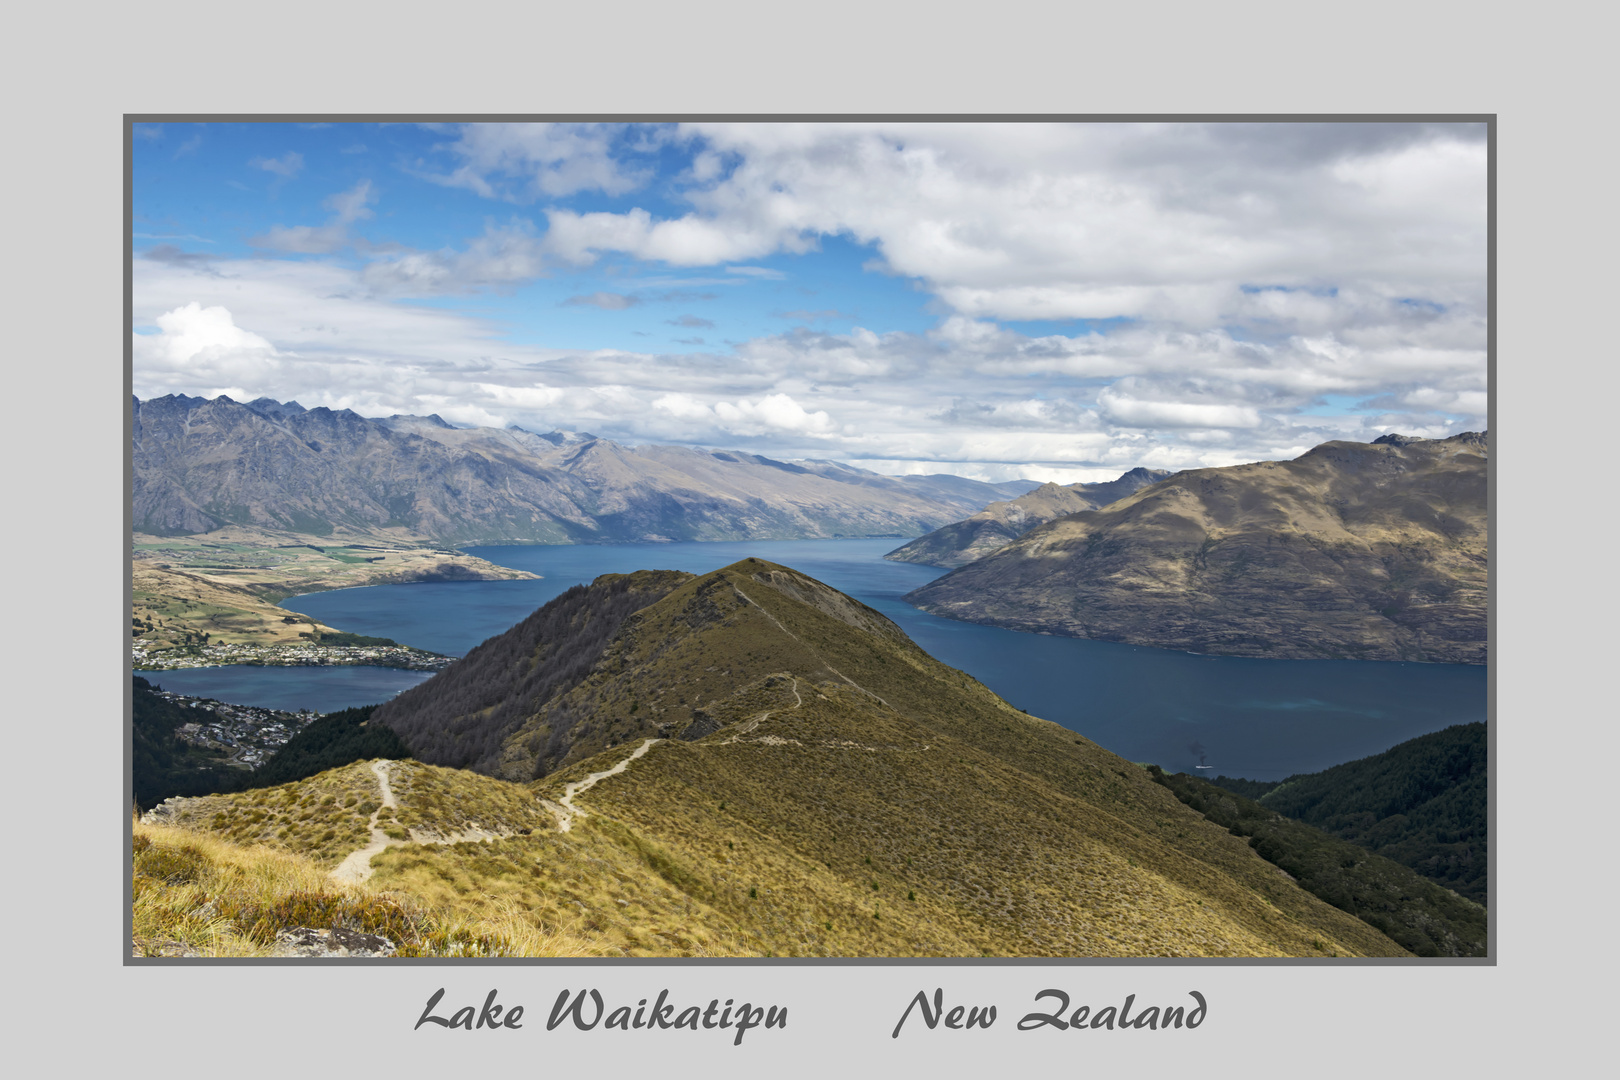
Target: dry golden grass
321 819
894 850
603 890
439 803
199 895
179 606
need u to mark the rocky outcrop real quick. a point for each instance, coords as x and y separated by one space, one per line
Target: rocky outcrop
308 941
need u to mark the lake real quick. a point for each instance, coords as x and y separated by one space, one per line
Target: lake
1261 719
321 689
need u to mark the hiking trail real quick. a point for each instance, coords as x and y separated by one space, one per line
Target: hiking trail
564 809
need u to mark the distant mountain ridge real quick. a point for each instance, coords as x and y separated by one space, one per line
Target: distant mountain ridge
1374 551
1000 523
201 464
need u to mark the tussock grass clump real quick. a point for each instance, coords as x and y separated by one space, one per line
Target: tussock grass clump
614 897
444 801
320 817
201 895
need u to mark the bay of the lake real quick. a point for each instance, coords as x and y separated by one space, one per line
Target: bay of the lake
319 689
1262 719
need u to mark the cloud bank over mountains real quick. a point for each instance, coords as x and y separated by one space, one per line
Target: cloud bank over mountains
1051 300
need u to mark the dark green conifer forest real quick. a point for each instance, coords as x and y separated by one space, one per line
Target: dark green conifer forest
1418 914
1421 803
165 765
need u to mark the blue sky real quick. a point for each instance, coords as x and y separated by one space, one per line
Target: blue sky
1058 301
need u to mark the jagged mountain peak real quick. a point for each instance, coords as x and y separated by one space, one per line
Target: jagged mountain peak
271 407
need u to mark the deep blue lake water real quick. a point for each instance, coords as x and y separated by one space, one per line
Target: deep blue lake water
322 689
1262 719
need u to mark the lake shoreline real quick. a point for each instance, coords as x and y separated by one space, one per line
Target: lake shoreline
1256 718
402 657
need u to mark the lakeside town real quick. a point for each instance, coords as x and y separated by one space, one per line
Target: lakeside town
145 657
250 735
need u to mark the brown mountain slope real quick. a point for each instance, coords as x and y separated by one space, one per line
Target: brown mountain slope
1000 523
1372 551
818 785
203 464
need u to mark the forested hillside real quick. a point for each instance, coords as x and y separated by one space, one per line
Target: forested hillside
334 740
1417 913
1422 803
166 765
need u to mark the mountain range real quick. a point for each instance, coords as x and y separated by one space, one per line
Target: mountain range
202 464
1372 551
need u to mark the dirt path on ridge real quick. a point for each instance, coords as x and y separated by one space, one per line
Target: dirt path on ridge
357 867
564 809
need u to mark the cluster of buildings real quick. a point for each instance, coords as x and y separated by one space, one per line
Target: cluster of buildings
250 735
148 658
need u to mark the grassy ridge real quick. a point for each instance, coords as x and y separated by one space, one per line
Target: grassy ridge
199 895
983 830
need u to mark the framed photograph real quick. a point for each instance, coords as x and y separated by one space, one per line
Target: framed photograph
810 540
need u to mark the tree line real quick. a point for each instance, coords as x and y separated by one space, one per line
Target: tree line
1416 913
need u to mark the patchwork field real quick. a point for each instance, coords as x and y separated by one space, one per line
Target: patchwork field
223 587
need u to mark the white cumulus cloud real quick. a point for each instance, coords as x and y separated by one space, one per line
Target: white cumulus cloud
193 333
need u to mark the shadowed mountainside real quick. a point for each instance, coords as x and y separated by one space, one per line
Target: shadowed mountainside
1000 523
463 716
1374 551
